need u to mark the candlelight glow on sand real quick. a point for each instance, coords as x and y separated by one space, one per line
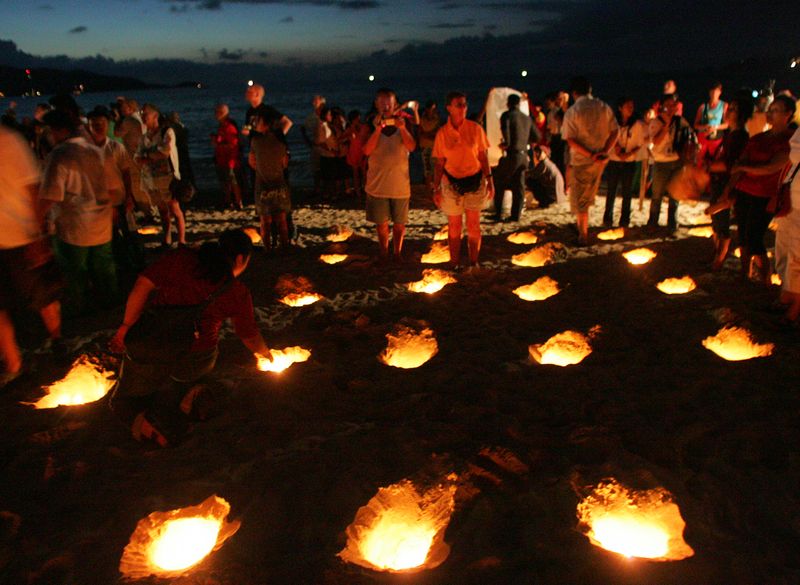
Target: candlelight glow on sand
563 349
168 544
333 258
409 347
523 238
439 253
677 286
776 279
253 234
535 257
705 231
433 280
736 344
85 382
339 233
149 230
615 234
301 299
639 256
737 252
442 234
282 358
401 530
643 524
541 289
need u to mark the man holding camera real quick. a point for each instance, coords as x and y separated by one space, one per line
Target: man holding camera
388 185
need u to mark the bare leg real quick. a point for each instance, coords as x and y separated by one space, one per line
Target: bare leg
266 231
398 233
746 260
180 223
764 267
166 222
51 317
454 238
473 234
722 246
582 219
383 238
283 228
9 350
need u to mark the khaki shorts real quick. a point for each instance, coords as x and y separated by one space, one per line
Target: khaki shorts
159 190
584 181
382 209
454 203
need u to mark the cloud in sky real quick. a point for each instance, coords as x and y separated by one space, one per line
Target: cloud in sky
218 4
452 25
78 30
226 55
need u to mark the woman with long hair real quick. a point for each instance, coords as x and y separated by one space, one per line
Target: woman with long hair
622 160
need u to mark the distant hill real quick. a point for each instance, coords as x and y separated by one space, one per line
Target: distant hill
15 81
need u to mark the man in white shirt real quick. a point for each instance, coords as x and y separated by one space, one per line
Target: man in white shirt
309 130
75 187
590 128
27 273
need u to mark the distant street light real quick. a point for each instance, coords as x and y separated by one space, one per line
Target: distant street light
371 78
524 73
249 83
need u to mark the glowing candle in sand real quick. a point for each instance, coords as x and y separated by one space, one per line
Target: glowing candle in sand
541 289
442 234
535 257
169 544
615 234
705 231
736 344
737 252
639 256
301 299
253 234
776 279
87 381
433 281
333 258
643 524
523 238
409 347
563 349
677 286
282 359
439 253
400 529
339 233
148 230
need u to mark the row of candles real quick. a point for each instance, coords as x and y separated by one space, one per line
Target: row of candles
401 528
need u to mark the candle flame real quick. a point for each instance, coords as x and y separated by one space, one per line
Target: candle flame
615 234
643 524
85 382
253 234
523 238
301 299
563 349
282 358
736 344
776 279
408 347
401 530
433 281
169 544
677 286
541 289
639 256
439 253
333 258
705 231
339 233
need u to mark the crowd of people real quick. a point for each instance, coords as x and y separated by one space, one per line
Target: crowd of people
71 188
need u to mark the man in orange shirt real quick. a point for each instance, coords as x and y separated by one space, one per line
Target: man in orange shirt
460 150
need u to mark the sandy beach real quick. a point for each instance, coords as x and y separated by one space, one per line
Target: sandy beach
297 454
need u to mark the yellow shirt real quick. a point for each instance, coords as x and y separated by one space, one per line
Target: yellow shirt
460 148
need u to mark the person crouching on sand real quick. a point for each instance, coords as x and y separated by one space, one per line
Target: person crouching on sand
170 331
462 182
